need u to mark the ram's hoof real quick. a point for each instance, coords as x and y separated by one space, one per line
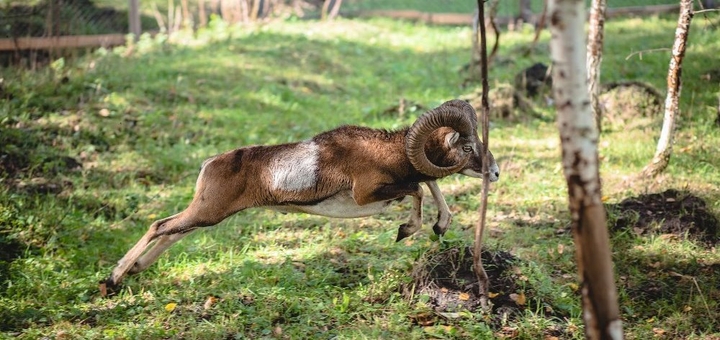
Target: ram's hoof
108 287
439 231
403 232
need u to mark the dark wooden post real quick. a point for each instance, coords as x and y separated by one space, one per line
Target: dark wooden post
134 18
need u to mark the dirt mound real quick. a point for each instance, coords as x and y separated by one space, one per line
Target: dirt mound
631 103
670 212
446 279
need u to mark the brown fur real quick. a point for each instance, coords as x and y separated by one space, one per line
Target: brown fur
370 162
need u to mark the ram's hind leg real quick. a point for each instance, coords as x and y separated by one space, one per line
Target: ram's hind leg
444 216
176 224
163 243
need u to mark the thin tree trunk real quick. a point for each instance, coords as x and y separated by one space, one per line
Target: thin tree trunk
539 27
525 11
202 16
335 9
594 57
483 280
324 10
579 138
186 18
664 148
254 11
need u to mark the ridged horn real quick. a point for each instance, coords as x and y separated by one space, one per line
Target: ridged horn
455 114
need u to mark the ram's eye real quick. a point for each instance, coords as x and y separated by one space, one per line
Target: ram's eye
467 148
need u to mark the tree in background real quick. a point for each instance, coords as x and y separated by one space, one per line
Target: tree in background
664 148
594 56
579 137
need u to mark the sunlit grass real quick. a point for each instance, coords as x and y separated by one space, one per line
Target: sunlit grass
142 121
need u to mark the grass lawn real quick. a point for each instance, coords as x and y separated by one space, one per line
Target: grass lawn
95 150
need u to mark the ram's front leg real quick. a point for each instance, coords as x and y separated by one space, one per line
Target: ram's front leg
444 216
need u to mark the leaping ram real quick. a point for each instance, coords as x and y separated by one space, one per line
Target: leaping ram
347 172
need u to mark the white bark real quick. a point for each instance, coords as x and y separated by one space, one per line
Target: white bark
674 84
594 56
579 138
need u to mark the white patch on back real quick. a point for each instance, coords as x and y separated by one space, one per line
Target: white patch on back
202 171
295 169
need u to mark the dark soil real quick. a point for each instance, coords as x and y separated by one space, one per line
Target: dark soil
447 278
533 81
670 212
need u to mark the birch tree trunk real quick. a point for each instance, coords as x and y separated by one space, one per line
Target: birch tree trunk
579 138
664 148
594 57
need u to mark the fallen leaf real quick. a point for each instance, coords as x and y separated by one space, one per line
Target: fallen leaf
209 302
424 318
464 296
170 306
687 309
658 331
277 331
520 299
103 289
104 112
444 290
450 315
493 295
560 248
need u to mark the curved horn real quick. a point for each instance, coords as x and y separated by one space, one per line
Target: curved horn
456 114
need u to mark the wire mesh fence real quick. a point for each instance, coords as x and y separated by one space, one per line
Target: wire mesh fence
62 18
59 18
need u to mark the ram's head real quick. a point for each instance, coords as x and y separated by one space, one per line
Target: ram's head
463 143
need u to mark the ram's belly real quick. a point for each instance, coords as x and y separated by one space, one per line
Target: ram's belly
340 205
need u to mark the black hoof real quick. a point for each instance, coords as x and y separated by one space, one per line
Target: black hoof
402 232
439 231
108 288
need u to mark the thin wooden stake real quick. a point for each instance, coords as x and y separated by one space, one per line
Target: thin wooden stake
482 277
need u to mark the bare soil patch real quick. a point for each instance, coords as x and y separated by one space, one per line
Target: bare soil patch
446 279
670 212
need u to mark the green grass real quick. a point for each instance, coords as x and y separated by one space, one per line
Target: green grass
141 121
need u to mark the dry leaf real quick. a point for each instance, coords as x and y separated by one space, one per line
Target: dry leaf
560 248
170 306
444 290
658 331
103 289
687 309
209 302
519 298
277 331
424 318
104 112
464 296
493 295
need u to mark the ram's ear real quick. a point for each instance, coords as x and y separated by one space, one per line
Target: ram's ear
451 139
